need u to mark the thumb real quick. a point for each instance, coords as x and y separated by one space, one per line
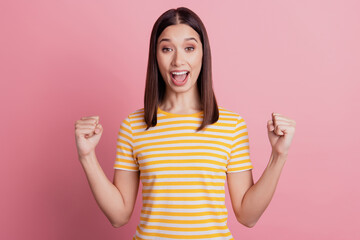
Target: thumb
270 126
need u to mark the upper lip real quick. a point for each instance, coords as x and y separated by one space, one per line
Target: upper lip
179 71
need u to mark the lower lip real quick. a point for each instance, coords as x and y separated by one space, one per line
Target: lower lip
179 83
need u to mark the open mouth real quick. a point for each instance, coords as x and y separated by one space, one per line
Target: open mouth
179 78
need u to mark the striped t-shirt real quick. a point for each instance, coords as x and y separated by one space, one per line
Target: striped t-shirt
183 172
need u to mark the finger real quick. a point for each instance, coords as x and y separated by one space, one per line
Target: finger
278 126
86 127
273 117
279 130
270 125
96 118
88 121
85 124
94 128
275 123
283 122
88 117
98 128
85 132
91 122
277 114
274 126
282 117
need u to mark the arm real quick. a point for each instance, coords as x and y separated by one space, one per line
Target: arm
250 200
116 199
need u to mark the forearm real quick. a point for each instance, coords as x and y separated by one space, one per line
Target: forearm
258 197
107 196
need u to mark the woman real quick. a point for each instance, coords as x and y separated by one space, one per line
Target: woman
182 146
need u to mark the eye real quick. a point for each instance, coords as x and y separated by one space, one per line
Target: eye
165 49
192 49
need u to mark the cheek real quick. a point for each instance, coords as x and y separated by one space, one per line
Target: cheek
160 63
162 68
158 60
197 61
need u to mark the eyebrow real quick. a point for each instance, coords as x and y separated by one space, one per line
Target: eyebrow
186 39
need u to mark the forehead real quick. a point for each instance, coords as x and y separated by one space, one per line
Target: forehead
178 33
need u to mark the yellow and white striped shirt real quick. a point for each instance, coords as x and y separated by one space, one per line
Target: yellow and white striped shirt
183 172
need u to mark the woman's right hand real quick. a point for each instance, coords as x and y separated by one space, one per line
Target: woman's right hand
88 132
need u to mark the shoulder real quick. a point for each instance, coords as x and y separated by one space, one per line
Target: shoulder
229 114
136 113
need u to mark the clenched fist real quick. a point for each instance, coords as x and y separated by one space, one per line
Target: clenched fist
281 130
88 132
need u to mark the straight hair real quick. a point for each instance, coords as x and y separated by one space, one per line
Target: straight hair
155 85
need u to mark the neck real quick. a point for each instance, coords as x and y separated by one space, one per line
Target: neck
186 102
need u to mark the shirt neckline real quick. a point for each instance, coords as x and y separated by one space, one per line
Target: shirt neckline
179 115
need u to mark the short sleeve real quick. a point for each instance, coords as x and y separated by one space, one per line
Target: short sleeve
240 153
124 148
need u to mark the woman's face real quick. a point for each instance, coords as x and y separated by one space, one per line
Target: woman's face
179 49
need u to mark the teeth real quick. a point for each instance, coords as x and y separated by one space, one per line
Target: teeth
179 73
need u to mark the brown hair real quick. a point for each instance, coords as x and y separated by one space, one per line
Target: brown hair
155 85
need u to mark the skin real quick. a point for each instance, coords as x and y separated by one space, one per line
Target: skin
117 200
249 200
178 53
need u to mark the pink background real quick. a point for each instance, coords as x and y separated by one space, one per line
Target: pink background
61 60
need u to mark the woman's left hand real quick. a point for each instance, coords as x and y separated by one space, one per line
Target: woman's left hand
281 131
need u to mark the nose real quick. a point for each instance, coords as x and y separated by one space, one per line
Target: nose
178 58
